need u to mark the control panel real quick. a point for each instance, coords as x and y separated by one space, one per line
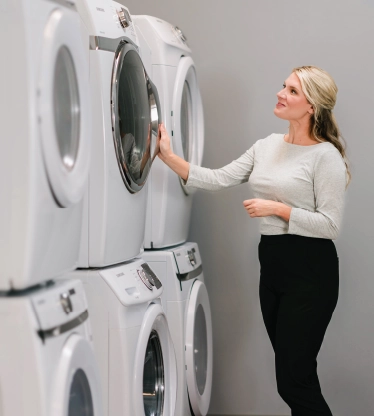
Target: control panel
59 303
109 19
187 258
133 282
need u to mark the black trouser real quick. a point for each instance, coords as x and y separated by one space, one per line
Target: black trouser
299 287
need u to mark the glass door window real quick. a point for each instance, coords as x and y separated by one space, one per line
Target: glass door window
153 377
66 107
80 397
200 349
186 120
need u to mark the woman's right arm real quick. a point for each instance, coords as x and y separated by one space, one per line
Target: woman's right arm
232 174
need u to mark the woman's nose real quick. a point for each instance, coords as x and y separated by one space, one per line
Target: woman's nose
281 94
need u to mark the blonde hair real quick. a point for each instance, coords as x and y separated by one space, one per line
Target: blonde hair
320 90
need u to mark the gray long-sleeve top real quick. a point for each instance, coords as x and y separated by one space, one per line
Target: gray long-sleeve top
310 179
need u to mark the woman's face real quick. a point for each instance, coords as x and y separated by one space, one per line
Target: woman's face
292 103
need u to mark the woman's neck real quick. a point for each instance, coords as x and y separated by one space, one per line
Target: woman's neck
299 134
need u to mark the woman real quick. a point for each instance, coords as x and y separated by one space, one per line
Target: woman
299 180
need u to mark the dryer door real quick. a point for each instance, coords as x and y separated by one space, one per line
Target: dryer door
135 117
77 389
155 375
64 107
187 114
199 349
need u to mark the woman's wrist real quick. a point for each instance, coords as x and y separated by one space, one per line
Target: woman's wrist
282 210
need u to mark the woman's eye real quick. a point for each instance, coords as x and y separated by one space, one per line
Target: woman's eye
293 91
284 85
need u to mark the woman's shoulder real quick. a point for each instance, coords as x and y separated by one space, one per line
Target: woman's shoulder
270 140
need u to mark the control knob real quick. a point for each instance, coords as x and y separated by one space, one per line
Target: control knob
123 18
180 34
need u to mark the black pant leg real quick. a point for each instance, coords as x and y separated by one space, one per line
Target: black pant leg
298 294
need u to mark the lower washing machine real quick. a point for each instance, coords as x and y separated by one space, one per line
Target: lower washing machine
47 362
131 339
186 304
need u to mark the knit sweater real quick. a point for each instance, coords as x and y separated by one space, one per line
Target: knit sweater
310 179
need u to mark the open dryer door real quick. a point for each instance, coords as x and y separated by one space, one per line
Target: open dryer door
155 375
64 114
188 116
199 349
136 115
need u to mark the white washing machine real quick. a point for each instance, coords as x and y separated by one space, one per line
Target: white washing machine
125 118
47 362
186 303
131 339
45 145
174 73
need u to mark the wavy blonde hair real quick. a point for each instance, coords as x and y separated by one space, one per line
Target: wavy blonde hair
320 91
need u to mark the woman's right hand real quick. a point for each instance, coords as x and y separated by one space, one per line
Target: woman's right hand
165 149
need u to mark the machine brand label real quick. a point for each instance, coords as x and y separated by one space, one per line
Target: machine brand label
100 9
120 274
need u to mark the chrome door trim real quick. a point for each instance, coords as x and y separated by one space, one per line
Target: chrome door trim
60 329
102 43
155 115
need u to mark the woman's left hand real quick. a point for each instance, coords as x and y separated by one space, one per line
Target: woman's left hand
260 207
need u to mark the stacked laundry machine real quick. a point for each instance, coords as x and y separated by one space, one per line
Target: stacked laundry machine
177 262
47 361
131 336
103 306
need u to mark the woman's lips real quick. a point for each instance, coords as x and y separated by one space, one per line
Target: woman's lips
280 105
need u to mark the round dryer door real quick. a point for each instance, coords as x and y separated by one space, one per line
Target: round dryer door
77 391
135 117
199 349
64 114
155 378
188 117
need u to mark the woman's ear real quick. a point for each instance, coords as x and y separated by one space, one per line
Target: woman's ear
311 110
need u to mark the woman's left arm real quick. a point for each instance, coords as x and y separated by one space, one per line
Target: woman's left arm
329 191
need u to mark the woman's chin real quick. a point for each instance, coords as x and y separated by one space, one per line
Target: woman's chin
279 114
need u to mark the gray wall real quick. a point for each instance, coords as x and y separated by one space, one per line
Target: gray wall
243 51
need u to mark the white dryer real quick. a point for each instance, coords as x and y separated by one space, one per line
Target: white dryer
125 119
45 145
186 303
131 339
47 362
174 73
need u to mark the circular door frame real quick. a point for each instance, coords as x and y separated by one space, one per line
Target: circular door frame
154 109
155 319
187 72
62 29
77 353
198 296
